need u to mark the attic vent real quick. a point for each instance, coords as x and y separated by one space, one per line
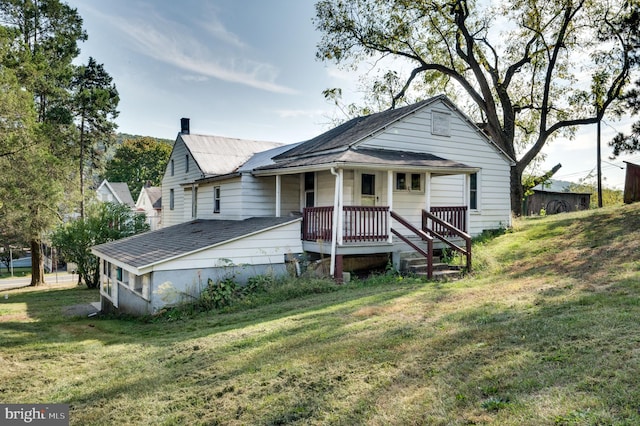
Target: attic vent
440 123
184 126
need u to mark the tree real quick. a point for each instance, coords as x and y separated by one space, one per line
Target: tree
630 142
106 222
96 100
531 70
42 39
138 161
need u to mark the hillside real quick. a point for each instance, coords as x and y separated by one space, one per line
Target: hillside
545 332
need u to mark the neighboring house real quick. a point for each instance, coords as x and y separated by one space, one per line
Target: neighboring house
150 203
632 183
115 192
385 183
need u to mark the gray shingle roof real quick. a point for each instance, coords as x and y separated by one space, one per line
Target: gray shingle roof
217 155
370 157
155 196
121 190
353 130
174 241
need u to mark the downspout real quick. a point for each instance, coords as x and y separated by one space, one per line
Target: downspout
334 228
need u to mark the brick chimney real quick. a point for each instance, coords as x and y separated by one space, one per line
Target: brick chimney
184 126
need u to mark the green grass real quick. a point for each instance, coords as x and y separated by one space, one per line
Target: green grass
545 332
17 272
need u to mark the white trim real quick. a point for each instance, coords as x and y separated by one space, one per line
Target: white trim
390 186
278 195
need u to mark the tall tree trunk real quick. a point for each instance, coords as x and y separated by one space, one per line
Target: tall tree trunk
82 168
37 264
517 192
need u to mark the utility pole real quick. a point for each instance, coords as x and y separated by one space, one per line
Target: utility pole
599 159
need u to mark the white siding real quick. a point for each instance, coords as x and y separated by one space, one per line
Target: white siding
181 209
464 145
268 247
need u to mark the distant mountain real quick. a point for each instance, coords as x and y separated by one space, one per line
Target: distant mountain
121 137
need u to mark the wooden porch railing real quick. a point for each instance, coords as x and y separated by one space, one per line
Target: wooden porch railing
428 254
441 230
455 215
361 223
316 223
365 223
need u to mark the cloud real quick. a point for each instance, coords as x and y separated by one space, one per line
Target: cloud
295 113
178 46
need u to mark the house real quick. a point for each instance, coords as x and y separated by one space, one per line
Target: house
400 180
149 203
115 192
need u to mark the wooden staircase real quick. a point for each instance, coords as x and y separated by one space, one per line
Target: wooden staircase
412 263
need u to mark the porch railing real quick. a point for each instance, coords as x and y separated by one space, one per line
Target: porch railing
442 230
428 253
361 223
365 223
453 215
316 223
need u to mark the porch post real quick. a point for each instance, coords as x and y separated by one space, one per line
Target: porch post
340 234
334 221
389 203
467 201
427 191
278 194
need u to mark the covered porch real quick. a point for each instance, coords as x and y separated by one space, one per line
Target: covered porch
381 210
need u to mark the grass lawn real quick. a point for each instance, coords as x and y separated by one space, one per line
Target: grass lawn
545 332
17 272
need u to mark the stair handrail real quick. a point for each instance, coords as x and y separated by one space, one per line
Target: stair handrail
428 254
466 237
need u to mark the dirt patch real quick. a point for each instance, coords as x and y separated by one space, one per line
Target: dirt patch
81 310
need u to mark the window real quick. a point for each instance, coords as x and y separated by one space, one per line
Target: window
171 199
194 203
186 163
309 189
368 184
119 274
106 281
216 199
473 191
173 168
415 184
368 190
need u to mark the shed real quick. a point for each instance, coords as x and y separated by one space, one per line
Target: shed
556 202
632 183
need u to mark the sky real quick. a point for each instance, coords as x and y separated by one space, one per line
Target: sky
247 69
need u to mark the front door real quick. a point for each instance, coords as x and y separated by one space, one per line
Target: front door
368 190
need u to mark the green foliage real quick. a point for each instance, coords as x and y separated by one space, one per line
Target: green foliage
95 100
610 197
519 80
218 294
105 222
138 161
